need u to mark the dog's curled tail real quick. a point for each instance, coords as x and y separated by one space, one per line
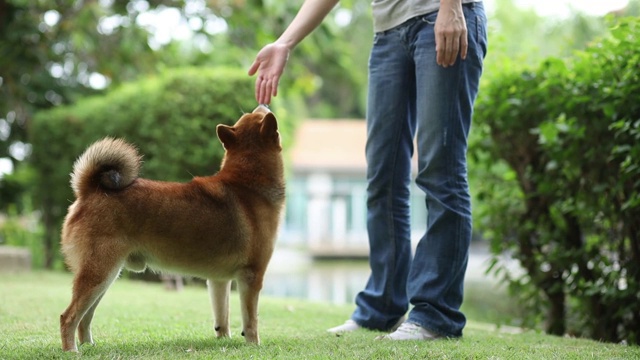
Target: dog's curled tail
108 164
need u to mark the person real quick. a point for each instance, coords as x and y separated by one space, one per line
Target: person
424 71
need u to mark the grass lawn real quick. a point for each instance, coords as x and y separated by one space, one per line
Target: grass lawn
139 320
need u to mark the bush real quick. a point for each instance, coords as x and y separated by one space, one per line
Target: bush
568 205
171 118
23 231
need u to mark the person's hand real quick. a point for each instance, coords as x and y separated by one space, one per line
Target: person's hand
269 65
451 33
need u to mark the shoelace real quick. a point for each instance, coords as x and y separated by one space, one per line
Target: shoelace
409 328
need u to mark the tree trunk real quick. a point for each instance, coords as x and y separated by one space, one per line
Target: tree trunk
556 320
49 229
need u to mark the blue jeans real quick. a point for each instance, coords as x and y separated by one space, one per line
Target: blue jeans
411 96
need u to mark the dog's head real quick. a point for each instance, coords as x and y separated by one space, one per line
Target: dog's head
255 130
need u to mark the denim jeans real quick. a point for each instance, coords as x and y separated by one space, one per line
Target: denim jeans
410 96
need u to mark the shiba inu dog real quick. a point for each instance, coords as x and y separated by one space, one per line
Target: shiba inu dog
220 227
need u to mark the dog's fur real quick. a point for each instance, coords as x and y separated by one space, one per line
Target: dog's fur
220 227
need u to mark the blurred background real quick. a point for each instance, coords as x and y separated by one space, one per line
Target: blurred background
553 157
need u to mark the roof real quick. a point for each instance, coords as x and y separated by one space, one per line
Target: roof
331 145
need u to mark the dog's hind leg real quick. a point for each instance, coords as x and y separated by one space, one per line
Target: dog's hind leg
90 283
219 293
84 328
249 286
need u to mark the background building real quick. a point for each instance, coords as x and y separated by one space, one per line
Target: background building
326 191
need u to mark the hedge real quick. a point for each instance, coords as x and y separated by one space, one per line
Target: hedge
558 156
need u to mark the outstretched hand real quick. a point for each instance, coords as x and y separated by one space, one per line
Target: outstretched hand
269 64
451 34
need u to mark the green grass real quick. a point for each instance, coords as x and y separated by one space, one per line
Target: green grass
139 320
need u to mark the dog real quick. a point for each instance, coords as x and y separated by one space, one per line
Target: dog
221 227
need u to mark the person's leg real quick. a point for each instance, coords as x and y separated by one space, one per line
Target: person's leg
389 148
445 99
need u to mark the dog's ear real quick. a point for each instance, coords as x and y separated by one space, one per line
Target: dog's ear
227 135
269 127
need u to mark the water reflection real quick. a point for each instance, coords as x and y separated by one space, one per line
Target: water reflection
294 274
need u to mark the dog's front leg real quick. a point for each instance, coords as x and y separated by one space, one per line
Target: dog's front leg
219 294
249 286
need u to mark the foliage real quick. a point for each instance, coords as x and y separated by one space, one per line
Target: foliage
54 53
561 184
137 320
326 73
51 53
50 50
530 37
23 231
170 117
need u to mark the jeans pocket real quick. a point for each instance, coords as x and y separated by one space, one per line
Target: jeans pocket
429 18
481 36
376 38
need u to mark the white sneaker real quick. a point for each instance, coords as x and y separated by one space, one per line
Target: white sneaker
350 326
347 327
410 331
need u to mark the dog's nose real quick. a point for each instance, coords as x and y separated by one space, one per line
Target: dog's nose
262 108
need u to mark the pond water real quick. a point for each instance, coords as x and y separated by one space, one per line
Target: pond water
292 273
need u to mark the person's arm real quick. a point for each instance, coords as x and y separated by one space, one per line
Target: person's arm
271 60
451 33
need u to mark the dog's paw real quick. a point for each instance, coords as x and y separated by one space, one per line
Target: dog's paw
251 337
221 332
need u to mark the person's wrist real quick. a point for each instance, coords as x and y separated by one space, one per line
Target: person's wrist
285 43
450 5
282 49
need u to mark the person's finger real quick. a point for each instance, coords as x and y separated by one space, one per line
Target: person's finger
257 90
453 50
266 96
464 46
446 48
446 51
266 91
274 86
263 97
440 49
254 67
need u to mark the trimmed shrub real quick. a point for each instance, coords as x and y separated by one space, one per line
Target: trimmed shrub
565 137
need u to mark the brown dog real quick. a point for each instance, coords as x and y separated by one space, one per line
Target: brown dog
220 227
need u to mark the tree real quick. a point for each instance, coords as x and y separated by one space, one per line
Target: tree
52 53
55 52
